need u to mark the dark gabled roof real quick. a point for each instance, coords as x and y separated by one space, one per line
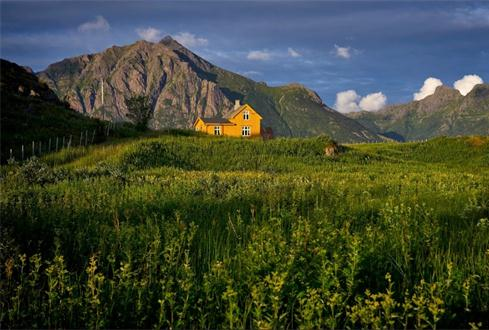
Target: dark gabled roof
216 120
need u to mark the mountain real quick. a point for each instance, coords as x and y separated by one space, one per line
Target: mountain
446 112
31 111
183 86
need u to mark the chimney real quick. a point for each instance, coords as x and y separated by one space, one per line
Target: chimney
237 104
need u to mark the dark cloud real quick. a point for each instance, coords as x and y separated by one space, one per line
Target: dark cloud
398 44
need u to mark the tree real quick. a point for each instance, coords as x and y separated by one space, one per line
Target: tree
139 111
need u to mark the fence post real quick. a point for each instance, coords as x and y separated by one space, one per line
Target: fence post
56 144
69 142
93 136
33 149
40 148
22 152
81 137
86 138
11 154
63 142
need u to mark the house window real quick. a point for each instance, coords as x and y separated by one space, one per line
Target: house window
246 131
246 115
217 130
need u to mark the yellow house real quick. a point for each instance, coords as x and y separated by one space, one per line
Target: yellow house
244 121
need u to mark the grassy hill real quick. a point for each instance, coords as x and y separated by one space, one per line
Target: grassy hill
189 231
31 111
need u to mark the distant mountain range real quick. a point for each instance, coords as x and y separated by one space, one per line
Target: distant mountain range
446 112
183 86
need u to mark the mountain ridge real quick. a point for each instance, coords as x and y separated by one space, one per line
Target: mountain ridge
183 86
445 112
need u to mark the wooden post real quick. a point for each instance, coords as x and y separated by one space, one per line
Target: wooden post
93 136
86 138
63 143
11 154
69 142
33 149
56 144
49 148
22 152
40 148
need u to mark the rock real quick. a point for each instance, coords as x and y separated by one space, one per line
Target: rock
332 149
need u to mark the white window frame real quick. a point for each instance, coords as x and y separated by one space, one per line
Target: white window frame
246 131
246 115
217 130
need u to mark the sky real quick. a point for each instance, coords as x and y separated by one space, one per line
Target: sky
357 55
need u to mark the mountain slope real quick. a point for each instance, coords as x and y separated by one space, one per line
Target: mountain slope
446 112
183 86
30 111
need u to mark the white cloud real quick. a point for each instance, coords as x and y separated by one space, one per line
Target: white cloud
471 17
428 88
466 84
293 53
350 101
347 101
99 24
259 55
190 40
149 34
373 102
343 52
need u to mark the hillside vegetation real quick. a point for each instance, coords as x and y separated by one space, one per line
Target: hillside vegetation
189 231
31 111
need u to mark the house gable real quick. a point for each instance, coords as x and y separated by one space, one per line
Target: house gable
233 116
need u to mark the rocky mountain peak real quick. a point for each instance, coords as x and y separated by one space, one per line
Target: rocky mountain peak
182 86
480 91
169 42
445 92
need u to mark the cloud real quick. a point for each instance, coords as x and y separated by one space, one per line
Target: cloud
149 34
343 52
293 53
471 17
350 101
259 55
466 84
373 102
347 101
190 40
99 24
428 88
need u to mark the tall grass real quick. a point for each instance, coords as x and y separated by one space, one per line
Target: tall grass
198 232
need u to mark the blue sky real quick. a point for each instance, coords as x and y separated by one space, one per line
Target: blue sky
387 47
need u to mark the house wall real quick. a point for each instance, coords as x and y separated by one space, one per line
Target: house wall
254 122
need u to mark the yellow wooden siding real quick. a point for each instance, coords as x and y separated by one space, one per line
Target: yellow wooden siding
254 122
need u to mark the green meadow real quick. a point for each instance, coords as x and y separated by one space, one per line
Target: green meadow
184 231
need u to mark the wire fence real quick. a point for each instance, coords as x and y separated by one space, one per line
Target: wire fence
38 148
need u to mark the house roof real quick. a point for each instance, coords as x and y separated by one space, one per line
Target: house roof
216 120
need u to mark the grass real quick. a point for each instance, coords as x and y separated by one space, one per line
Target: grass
193 231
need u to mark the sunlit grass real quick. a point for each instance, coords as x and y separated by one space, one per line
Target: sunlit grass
201 232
